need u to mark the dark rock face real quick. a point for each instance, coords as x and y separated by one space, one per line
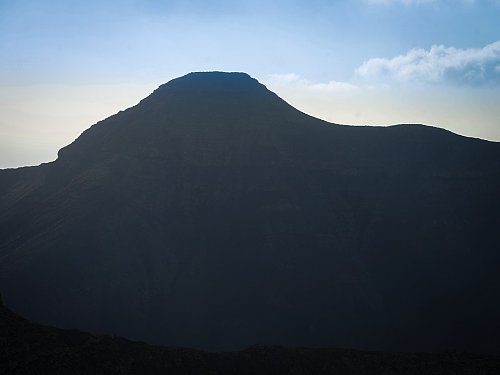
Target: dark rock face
26 348
215 215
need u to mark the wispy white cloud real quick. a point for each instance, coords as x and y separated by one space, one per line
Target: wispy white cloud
327 100
294 80
439 63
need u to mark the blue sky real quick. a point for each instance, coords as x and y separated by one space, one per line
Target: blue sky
66 64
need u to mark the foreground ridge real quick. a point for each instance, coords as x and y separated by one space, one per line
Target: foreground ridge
27 348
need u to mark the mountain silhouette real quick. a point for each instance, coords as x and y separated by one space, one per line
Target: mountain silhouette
214 215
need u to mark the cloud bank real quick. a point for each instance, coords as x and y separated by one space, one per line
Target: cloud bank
440 63
454 88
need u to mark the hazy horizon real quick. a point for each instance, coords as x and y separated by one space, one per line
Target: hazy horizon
364 62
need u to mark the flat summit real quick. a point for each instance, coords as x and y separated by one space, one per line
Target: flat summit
215 215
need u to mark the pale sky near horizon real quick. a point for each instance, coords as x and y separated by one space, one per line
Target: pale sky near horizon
65 65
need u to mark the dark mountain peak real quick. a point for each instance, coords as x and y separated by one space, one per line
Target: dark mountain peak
215 92
214 81
210 106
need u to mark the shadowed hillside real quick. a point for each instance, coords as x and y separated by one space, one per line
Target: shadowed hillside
214 215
